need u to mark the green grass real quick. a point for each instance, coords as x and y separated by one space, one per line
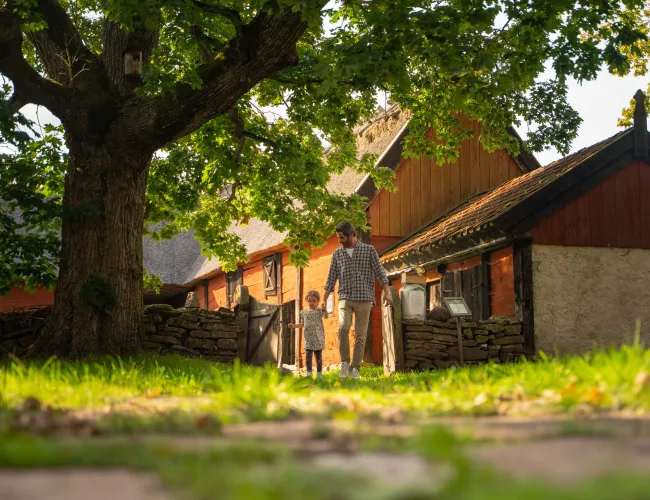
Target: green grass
252 471
154 395
609 380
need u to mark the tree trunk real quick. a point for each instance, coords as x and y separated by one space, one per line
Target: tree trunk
98 297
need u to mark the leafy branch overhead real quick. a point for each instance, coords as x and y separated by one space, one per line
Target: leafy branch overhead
235 99
637 56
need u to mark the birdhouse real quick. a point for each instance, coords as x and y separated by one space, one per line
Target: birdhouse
133 62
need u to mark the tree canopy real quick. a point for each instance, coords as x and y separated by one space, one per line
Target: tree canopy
237 99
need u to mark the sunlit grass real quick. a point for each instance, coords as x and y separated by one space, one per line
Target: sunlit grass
603 380
187 390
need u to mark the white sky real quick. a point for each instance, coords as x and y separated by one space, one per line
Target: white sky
599 103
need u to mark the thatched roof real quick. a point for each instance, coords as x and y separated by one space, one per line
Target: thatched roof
178 261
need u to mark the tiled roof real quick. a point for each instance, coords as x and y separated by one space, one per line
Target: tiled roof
482 210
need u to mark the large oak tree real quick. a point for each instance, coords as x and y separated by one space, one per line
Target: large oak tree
190 114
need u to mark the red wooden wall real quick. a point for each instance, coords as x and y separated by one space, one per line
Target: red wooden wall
18 298
616 213
502 283
426 190
313 278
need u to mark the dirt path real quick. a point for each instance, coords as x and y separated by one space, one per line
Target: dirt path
567 460
559 450
540 449
80 484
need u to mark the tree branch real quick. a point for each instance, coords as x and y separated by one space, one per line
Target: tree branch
29 86
231 14
259 138
208 46
306 81
302 81
265 46
59 46
237 121
17 103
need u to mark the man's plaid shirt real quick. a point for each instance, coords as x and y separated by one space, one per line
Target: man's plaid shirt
356 274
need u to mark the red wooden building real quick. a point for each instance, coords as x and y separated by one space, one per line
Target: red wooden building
425 192
564 248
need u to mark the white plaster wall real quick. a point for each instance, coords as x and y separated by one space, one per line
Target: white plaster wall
586 296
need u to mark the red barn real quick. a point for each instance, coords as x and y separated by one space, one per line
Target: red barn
564 248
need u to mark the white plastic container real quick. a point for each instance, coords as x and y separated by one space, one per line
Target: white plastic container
414 302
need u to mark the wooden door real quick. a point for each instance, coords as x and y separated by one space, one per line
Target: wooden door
287 343
264 331
234 279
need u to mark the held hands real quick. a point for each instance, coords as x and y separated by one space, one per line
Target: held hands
388 301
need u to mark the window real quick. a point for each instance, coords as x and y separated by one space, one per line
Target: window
270 275
472 284
434 292
233 280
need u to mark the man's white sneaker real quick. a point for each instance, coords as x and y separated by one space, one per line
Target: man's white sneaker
354 375
345 368
309 374
319 375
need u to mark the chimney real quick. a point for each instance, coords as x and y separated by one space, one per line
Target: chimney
640 126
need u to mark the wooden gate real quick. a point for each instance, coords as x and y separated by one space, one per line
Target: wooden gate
393 342
268 336
264 340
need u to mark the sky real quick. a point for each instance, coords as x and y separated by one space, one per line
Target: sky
599 103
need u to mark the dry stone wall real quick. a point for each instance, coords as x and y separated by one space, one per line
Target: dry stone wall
434 344
192 332
19 329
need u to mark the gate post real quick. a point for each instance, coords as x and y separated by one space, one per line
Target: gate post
391 326
241 303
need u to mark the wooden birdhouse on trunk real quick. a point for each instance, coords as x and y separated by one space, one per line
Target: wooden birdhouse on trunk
133 62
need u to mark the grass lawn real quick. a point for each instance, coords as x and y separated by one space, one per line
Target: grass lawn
122 393
612 380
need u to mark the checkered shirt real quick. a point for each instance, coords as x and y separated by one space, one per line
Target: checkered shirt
356 274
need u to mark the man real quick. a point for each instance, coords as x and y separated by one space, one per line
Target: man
355 266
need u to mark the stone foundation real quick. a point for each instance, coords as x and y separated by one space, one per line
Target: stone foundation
19 329
211 335
434 344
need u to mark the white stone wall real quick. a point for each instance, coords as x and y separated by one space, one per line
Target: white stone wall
586 296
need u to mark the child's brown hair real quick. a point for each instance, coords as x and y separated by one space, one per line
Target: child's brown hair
313 293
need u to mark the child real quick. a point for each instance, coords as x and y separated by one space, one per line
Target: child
314 336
